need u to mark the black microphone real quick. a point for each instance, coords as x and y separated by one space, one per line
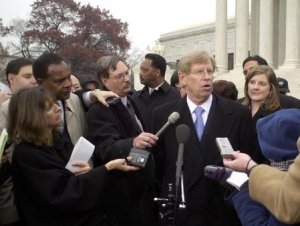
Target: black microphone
182 135
171 120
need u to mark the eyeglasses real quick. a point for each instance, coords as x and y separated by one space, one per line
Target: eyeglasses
203 72
121 76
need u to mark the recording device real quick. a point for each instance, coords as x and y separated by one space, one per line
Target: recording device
139 157
113 100
171 120
225 147
211 170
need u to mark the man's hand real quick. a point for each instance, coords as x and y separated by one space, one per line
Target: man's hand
101 96
241 162
144 140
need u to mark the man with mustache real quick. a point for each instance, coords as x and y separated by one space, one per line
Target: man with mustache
114 131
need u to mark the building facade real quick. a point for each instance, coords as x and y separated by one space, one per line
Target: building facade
271 30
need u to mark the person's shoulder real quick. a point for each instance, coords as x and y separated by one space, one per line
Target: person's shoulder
167 107
230 103
73 100
174 91
4 105
137 93
25 149
289 101
98 107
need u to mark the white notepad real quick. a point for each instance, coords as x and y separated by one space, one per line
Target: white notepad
82 151
3 140
237 179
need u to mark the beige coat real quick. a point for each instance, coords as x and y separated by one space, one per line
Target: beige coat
278 191
3 113
75 117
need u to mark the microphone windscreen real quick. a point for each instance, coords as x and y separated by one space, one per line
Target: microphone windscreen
182 133
173 117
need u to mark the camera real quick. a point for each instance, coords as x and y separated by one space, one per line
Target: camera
139 157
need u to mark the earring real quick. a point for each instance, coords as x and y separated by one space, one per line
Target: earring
270 94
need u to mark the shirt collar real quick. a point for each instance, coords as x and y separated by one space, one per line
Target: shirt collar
205 106
124 100
156 88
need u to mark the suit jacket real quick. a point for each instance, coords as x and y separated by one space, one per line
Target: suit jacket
75 118
204 197
129 196
146 102
277 190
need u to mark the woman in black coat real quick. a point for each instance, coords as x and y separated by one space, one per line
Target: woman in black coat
46 192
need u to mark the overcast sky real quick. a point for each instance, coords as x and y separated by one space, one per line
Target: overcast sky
147 19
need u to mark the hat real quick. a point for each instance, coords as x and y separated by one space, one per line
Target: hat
278 134
283 85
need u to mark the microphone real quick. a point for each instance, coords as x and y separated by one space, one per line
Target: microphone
171 120
182 135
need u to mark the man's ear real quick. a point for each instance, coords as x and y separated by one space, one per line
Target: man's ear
10 78
182 78
103 81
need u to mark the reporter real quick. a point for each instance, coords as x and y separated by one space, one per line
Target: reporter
46 192
278 191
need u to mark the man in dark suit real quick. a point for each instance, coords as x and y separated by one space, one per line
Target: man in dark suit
221 118
156 90
114 131
285 100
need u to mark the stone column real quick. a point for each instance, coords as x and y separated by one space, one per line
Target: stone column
266 30
241 32
221 36
292 44
254 37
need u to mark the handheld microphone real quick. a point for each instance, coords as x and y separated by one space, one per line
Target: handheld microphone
171 120
182 135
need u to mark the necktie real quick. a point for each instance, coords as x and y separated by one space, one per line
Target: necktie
133 116
199 125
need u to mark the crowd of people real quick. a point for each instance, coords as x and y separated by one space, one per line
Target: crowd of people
48 110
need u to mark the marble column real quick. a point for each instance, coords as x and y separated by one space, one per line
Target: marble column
266 30
292 43
241 32
254 37
221 36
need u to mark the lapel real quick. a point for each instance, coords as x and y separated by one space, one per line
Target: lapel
124 121
199 154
